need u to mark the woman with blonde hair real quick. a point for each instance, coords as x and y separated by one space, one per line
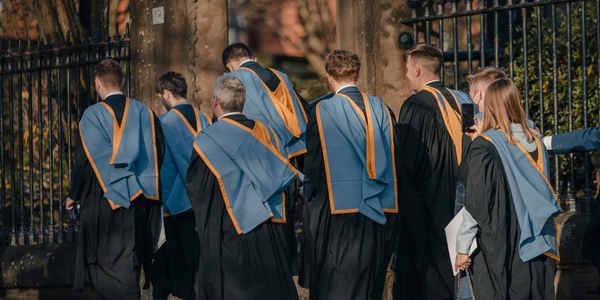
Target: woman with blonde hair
510 205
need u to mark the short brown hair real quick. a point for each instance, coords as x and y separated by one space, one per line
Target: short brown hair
505 108
172 82
486 75
429 56
342 65
235 52
109 72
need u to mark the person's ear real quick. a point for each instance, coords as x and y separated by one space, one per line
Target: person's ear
255 59
98 84
357 76
122 83
229 68
166 94
215 102
418 70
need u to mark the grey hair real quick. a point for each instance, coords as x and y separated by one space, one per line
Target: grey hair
230 92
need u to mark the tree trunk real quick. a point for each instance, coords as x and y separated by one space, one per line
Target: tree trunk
190 42
47 19
99 18
370 28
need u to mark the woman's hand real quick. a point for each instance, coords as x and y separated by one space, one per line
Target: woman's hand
462 261
476 128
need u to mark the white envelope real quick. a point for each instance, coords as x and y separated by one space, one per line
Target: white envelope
452 233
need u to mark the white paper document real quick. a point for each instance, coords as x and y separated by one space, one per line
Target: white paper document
452 233
162 237
301 177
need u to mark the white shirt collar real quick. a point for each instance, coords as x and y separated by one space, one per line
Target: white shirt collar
428 82
343 87
245 61
180 103
114 93
229 114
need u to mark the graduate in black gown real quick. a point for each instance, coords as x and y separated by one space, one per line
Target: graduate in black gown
510 206
176 261
350 216
235 183
272 100
116 180
430 149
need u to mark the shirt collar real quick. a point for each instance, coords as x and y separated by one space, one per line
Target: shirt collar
245 61
114 93
230 114
343 87
181 103
428 82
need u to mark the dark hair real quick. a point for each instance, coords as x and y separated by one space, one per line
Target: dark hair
235 52
109 72
342 65
427 55
174 83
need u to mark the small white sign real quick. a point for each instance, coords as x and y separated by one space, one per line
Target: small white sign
158 15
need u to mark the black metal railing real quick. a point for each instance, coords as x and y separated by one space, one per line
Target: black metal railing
520 37
54 82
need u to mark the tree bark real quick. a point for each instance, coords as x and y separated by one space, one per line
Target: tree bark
99 18
370 28
189 42
47 19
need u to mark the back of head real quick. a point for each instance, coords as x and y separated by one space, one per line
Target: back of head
235 52
504 107
485 76
427 55
109 73
342 65
231 93
174 83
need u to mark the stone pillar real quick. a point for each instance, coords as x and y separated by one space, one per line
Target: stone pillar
370 29
190 42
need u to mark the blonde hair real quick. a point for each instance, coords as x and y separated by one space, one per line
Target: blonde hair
503 106
485 75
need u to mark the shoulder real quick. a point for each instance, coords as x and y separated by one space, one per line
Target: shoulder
422 102
94 109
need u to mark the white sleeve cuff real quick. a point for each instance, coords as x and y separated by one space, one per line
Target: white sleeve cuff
548 142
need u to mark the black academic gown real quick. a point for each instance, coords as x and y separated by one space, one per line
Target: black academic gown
176 262
272 82
498 270
428 173
235 266
344 256
114 244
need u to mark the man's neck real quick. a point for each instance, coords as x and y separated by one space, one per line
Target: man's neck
113 92
245 60
337 86
429 80
178 101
